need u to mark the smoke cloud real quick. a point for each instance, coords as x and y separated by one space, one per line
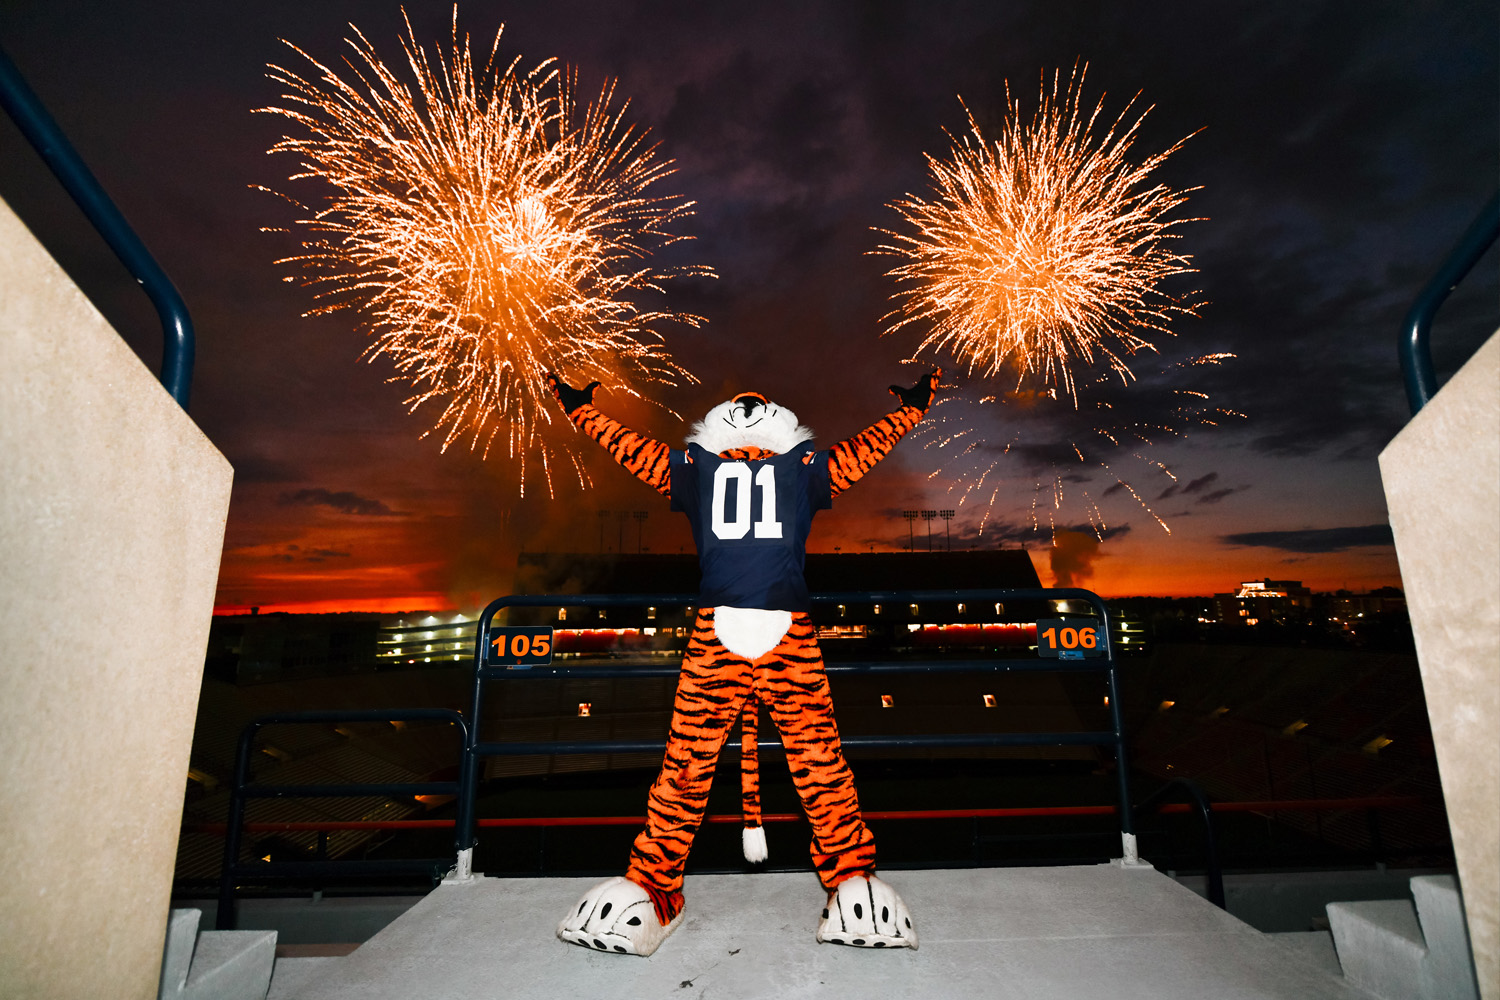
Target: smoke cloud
1072 558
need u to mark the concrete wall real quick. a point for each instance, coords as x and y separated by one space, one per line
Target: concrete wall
112 516
1442 485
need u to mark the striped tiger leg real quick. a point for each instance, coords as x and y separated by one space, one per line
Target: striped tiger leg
794 686
711 690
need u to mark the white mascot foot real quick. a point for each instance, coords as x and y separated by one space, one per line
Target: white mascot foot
867 913
616 915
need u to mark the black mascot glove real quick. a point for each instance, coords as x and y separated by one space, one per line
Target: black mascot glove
570 397
920 395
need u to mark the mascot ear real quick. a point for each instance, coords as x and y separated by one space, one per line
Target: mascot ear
919 396
571 398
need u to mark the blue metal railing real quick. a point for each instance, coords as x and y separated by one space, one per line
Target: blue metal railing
1414 348
1114 737
42 131
244 788
1205 809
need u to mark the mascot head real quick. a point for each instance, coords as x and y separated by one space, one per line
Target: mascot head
749 420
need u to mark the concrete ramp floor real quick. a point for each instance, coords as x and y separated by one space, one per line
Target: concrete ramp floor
1032 933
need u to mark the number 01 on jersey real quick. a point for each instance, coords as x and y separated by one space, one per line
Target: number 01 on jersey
1070 638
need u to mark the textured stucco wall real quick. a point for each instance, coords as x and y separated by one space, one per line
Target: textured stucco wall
1442 485
112 516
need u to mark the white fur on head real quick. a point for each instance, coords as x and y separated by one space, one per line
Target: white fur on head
733 425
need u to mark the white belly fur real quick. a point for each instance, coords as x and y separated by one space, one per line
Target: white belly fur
750 632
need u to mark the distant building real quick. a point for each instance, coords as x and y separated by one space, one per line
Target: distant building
1354 614
1267 600
1382 601
258 648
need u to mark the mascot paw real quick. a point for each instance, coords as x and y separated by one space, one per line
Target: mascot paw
570 397
867 913
920 395
616 915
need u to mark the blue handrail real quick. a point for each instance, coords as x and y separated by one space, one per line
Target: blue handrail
1210 837
244 788
38 126
1413 348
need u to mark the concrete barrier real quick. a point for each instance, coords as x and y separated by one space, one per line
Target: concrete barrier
111 526
1442 486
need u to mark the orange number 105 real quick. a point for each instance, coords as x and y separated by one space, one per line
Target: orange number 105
521 646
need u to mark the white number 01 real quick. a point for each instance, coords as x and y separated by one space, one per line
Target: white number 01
765 481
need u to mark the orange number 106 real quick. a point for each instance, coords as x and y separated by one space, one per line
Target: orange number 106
1071 638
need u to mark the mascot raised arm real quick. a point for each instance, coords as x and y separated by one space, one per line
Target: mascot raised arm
749 481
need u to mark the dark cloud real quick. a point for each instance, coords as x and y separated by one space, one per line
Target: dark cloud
344 501
1192 487
296 553
1315 539
1114 531
261 469
1218 495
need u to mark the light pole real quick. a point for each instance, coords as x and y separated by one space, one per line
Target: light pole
910 516
928 515
621 516
947 515
603 516
640 523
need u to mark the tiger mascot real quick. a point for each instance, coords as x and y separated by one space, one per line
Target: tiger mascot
749 482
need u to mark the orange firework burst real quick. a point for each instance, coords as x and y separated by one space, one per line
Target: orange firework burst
487 229
1042 249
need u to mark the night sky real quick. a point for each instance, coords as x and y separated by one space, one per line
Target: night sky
1343 149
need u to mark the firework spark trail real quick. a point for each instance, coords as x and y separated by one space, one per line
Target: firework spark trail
1090 438
487 229
1041 250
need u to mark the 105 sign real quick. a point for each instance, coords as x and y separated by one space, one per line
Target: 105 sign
519 646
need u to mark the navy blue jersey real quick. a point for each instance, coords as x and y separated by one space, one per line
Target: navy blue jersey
750 522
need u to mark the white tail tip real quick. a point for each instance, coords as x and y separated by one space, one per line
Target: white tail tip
753 838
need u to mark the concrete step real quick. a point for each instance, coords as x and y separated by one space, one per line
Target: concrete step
1313 947
1448 971
294 972
1401 951
1380 946
177 953
214 965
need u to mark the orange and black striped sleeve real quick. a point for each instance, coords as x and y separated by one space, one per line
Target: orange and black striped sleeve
647 460
851 459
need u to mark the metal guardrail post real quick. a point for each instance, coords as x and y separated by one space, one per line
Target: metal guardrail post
1210 836
42 131
1414 349
242 789
226 915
